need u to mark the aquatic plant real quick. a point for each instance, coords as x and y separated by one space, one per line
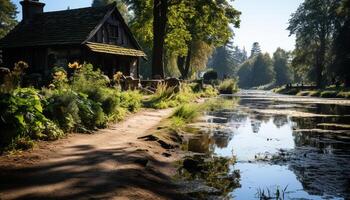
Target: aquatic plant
267 194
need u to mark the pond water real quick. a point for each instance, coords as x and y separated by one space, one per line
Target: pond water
299 145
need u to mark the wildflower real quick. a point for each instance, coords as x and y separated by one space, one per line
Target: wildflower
117 76
60 76
74 65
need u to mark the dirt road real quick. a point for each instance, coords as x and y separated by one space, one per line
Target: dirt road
110 164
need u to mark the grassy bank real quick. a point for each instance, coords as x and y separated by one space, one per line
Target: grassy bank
328 92
81 103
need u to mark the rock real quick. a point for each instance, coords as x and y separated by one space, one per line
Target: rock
142 161
166 145
192 165
149 138
165 154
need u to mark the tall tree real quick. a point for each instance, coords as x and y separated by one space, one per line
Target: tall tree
313 25
7 16
226 59
160 10
342 43
256 50
281 67
210 23
256 71
262 70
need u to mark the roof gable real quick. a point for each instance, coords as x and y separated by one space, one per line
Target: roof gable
60 27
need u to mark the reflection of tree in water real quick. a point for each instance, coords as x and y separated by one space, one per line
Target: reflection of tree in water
202 143
280 120
214 171
222 139
321 163
331 109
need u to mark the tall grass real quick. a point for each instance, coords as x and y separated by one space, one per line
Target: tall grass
166 97
228 86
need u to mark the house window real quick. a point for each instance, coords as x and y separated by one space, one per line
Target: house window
113 34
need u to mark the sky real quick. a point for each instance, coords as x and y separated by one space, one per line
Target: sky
263 21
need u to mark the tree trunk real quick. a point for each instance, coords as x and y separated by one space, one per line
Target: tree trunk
160 8
184 63
321 62
181 65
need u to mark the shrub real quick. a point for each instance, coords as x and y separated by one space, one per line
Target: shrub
131 100
22 119
329 94
166 97
74 112
210 76
228 86
62 108
187 112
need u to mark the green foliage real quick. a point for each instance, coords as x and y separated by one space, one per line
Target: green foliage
193 28
282 67
228 86
82 103
226 60
256 71
22 118
7 17
315 24
12 79
131 100
210 76
256 50
166 97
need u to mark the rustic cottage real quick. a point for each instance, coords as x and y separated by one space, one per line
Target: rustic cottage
98 35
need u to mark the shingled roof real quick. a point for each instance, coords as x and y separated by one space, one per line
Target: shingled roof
60 27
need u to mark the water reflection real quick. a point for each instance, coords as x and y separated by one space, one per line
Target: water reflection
316 165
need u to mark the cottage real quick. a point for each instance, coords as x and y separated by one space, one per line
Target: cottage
98 35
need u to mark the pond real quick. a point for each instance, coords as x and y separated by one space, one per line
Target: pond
286 146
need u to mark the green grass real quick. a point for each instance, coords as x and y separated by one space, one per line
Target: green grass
228 86
328 92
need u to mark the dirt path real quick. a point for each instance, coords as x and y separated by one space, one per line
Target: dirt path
110 164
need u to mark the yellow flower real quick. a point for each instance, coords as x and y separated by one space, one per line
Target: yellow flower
60 75
74 65
117 76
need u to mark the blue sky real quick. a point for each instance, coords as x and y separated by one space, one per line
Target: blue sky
263 21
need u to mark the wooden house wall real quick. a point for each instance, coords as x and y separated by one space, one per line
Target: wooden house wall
113 32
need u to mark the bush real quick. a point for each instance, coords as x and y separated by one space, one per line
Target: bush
210 76
74 112
131 100
228 86
22 119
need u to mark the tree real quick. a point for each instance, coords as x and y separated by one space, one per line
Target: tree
313 25
256 50
188 25
7 17
226 60
256 71
281 67
208 22
342 43
245 74
262 70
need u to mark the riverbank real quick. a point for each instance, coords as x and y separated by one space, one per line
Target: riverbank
114 163
328 92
